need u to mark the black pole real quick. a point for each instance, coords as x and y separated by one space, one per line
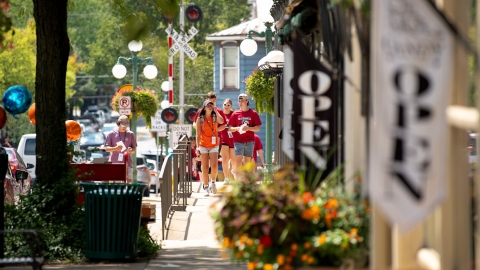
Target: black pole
3 172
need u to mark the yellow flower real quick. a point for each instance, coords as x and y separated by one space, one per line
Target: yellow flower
280 259
322 239
268 266
353 231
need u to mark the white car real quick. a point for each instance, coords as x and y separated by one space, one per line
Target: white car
27 150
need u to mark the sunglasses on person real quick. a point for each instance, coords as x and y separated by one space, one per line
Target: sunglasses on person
227 104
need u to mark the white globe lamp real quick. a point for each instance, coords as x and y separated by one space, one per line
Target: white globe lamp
248 47
165 86
119 71
150 71
165 104
135 46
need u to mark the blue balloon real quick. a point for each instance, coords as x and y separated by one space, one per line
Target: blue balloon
17 99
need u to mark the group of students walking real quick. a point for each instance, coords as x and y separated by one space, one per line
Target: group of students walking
232 131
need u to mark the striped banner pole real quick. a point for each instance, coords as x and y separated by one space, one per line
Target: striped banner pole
170 66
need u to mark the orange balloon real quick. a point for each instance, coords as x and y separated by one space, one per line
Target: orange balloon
31 114
74 130
3 117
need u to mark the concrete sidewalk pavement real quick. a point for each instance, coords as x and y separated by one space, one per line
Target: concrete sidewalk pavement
190 241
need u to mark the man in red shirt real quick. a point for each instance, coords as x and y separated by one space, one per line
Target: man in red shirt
243 123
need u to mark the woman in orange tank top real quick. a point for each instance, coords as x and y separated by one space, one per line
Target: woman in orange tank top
208 142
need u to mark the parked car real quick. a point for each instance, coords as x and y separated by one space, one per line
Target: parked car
143 173
152 165
27 151
92 140
16 162
15 184
108 127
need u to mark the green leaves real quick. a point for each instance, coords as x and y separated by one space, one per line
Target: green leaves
261 90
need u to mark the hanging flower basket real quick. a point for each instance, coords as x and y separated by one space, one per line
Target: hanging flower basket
144 103
261 90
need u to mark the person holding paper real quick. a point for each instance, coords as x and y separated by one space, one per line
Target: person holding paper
120 141
243 123
207 143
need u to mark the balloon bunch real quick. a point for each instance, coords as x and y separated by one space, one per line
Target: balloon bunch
17 99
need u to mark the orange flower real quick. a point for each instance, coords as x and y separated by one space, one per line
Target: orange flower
304 258
294 247
322 239
260 249
281 259
307 197
249 242
307 245
268 266
287 267
328 220
226 242
310 260
332 203
251 265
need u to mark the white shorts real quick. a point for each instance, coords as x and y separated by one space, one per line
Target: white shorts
204 150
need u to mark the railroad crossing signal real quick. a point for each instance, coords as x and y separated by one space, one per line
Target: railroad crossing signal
181 42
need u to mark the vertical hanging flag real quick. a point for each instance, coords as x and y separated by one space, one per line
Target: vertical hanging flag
288 143
313 117
409 143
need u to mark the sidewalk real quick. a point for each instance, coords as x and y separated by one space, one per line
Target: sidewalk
190 240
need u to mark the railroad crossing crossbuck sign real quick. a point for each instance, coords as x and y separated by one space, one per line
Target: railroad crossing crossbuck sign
124 105
181 42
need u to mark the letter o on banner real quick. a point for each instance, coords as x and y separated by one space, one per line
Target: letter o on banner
169 115
190 115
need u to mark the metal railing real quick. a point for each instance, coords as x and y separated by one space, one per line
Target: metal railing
175 180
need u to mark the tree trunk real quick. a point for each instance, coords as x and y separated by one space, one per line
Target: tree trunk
52 56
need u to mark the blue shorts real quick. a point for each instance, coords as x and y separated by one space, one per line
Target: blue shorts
244 149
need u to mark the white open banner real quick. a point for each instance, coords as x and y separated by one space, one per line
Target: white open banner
412 63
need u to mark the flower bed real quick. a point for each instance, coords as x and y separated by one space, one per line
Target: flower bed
287 221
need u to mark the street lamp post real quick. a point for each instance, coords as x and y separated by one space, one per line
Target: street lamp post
119 71
248 47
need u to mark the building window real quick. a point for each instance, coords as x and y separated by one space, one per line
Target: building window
230 68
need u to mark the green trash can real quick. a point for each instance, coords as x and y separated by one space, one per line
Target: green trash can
113 213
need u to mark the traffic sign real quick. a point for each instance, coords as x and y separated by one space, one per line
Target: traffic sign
124 105
176 131
158 125
181 42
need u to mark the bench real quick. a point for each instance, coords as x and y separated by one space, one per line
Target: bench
36 259
100 172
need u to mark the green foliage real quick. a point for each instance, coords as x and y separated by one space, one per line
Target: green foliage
261 90
52 210
147 247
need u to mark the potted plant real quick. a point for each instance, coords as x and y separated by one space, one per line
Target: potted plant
144 103
261 90
289 222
